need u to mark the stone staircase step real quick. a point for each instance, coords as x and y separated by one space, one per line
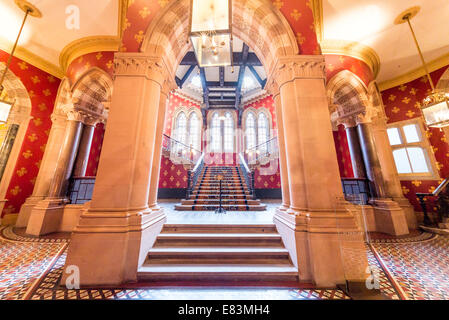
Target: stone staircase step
233 272
218 240
222 229
226 207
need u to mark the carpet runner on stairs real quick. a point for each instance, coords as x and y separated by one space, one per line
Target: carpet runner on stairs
235 194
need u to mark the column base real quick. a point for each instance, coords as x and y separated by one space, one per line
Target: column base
25 211
410 215
109 247
315 244
390 217
46 217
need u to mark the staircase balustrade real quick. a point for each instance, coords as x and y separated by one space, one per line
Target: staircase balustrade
248 174
193 175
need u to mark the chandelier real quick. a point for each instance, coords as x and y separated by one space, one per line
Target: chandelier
5 105
211 32
435 107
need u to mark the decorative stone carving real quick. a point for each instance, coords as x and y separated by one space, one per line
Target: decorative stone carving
289 68
135 64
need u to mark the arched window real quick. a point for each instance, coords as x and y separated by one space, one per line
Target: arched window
228 133
180 131
194 131
263 131
250 131
215 141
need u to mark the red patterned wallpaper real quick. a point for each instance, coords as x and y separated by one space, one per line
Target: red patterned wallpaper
42 89
103 60
337 63
95 151
343 155
402 103
297 12
264 178
172 175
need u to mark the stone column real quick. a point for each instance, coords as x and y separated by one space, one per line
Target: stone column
282 154
354 149
113 236
46 216
6 147
66 161
370 158
311 227
82 158
389 216
155 169
390 176
47 168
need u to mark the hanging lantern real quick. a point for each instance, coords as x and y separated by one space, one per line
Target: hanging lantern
435 107
210 32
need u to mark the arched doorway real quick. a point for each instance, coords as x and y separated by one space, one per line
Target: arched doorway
122 225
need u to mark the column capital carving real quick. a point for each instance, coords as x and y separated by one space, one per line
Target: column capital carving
18 118
58 119
289 68
140 65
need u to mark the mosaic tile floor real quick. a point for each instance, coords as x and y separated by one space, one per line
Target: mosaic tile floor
30 268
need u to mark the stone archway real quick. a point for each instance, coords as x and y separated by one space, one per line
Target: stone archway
123 222
18 125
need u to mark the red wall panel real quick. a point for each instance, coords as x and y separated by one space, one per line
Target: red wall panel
42 89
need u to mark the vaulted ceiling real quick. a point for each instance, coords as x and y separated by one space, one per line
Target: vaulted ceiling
369 22
223 86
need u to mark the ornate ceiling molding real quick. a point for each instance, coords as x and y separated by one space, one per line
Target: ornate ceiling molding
317 9
415 73
32 59
355 50
87 45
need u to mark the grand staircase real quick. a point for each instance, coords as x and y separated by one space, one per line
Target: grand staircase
223 253
205 195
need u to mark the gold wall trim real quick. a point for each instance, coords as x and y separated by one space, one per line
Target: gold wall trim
317 9
87 45
415 74
32 59
355 50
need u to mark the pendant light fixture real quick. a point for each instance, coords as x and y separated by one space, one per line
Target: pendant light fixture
435 107
30 10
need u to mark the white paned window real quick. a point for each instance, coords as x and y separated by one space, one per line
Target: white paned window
228 133
411 151
194 131
250 131
215 139
263 132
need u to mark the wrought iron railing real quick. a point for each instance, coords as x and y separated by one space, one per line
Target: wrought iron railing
248 174
442 194
81 189
179 152
263 153
193 175
356 190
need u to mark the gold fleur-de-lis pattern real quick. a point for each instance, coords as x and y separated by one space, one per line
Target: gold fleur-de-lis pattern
103 60
403 103
42 88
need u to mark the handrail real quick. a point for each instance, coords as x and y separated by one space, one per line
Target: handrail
261 144
248 175
183 144
193 175
436 193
